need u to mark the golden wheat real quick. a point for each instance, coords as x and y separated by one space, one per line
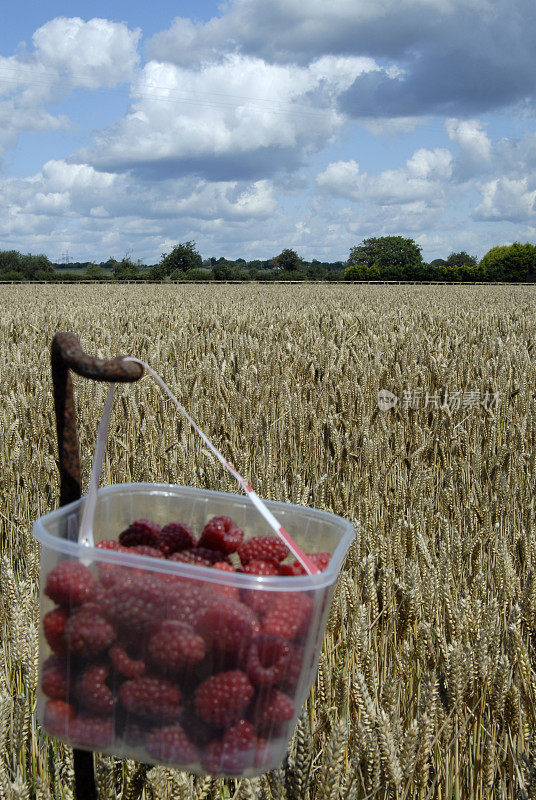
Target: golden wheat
425 686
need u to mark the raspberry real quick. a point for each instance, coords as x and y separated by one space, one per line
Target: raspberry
54 628
54 679
289 569
221 533
320 559
258 567
271 710
136 602
223 588
111 544
258 600
151 698
88 633
221 699
58 715
263 548
268 660
92 692
124 664
234 752
199 732
227 625
141 531
174 645
201 556
69 583
289 681
186 600
174 537
172 745
289 616
135 732
91 731
146 550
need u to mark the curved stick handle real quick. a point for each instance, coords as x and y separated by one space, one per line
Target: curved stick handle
67 354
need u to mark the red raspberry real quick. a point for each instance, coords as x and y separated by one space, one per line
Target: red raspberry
289 569
137 602
227 625
174 537
58 715
174 645
185 600
199 732
54 679
151 698
289 616
221 533
259 600
221 699
289 681
321 560
170 744
141 531
69 583
258 567
111 544
88 633
146 550
124 664
201 556
135 731
54 628
91 731
268 660
271 710
234 752
223 588
263 548
92 692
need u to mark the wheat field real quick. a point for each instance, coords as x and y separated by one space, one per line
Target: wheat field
426 686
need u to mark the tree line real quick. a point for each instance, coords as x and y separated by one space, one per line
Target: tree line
378 258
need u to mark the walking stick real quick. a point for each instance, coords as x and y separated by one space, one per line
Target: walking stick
66 355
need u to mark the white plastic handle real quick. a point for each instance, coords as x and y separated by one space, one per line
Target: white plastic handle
85 535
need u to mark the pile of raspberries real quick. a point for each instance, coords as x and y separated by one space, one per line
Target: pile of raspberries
180 671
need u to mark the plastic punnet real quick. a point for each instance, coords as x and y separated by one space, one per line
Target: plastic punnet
168 662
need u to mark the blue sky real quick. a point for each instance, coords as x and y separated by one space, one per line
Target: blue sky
256 125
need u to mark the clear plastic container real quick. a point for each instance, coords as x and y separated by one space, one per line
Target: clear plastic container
197 668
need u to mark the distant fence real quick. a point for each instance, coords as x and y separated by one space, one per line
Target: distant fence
268 283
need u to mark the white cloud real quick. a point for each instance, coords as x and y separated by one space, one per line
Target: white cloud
422 179
507 199
234 118
89 54
471 137
68 53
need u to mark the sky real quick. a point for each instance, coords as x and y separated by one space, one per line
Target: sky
256 125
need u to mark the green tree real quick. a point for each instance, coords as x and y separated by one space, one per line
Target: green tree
224 270
513 262
462 259
197 274
11 261
395 257
36 267
288 260
126 270
362 272
94 273
183 257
